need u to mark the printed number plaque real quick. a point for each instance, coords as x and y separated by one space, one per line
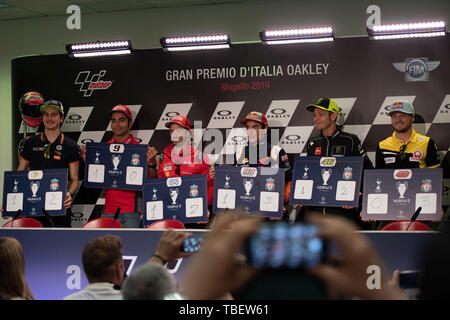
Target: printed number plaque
32 191
115 166
326 181
395 194
258 190
180 198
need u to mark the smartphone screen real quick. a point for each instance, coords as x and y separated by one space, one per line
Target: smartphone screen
192 244
280 245
409 279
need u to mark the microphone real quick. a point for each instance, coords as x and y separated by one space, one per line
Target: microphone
293 215
414 217
116 215
47 216
16 216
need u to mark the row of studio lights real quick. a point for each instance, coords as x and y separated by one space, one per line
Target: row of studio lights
270 37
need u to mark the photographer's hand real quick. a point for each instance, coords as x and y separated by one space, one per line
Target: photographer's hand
357 255
213 271
169 246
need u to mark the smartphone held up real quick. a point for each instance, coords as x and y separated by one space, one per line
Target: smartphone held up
279 245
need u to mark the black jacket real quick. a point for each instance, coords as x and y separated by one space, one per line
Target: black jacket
339 144
264 155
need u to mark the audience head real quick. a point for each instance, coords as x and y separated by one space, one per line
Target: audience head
149 282
102 260
12 271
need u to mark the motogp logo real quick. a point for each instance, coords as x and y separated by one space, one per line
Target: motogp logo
90 83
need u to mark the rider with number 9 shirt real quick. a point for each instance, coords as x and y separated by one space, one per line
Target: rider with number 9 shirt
129 201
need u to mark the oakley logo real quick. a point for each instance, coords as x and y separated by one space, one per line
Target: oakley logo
77 215
239 139
90 83
75 117
278 111
171 114
84 141
224 113
293 137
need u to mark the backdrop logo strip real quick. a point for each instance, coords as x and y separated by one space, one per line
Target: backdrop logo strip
226 114
172 109
443 114
142 136
280 112
90 136
76 119
295 138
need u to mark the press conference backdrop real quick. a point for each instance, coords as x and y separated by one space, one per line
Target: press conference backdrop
219 87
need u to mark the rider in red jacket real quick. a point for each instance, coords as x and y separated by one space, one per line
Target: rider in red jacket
180 158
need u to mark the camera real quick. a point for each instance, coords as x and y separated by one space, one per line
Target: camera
409 279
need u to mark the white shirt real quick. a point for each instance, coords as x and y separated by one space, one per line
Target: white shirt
96 291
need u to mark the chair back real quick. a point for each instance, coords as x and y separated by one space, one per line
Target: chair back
402 225
166 224
102 223
23 223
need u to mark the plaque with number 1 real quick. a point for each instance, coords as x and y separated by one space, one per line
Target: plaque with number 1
180 198
115 166
326 181
32 191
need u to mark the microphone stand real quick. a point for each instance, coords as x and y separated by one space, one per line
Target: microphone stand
414 217
15 217
47 216
116 215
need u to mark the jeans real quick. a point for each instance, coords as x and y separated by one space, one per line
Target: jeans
127 219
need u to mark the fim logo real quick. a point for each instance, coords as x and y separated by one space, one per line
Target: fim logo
90 83
416 69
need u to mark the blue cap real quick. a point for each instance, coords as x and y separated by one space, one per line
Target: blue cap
401 106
